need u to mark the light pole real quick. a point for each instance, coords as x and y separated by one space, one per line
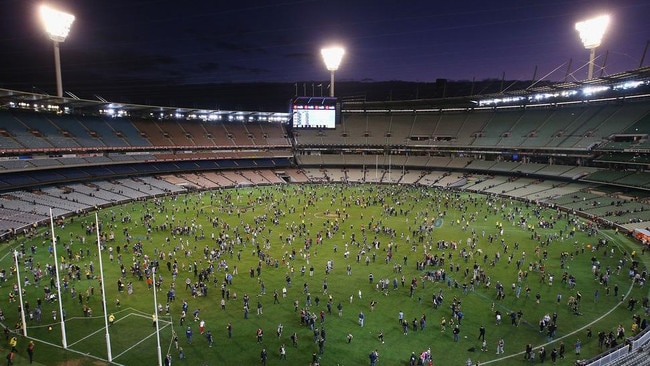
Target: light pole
57 25
591 33
332 57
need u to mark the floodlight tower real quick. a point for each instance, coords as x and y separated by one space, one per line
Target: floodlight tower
332 57
591 33
57 25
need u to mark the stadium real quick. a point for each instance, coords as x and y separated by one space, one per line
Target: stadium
560 168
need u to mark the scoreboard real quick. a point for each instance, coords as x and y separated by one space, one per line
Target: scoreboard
314 112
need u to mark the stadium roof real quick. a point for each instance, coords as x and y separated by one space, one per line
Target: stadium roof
640 74
536 87
73 104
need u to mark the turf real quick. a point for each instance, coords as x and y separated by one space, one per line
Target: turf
385 214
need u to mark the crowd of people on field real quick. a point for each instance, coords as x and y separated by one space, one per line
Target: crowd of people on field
205 258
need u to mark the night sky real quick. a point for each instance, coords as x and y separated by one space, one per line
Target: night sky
147 45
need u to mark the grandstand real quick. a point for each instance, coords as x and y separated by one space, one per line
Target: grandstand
587 154
541 146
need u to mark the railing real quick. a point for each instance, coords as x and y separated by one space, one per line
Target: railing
632 345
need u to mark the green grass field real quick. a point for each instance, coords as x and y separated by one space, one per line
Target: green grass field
408 222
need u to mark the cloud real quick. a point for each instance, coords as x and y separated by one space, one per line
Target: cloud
230 46
250 70
120 61
299 55
217 42
209 66
144 62
241 47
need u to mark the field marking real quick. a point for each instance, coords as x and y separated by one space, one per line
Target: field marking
613 239
566 335
322 215
81 353
171 321
527 323
75 351
579 329
41 325
91 334
143 339
140 312
103 328
5 256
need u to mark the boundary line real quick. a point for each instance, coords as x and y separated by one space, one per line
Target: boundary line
566 335
75 351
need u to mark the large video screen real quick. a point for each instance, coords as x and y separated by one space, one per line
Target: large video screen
314 112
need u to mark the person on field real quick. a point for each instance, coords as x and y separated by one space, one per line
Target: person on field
13 342
30 351
188 335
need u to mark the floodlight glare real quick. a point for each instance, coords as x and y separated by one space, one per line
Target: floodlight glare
332 57
591 33
57 25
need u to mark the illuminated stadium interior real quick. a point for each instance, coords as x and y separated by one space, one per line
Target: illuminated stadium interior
581 133
550 144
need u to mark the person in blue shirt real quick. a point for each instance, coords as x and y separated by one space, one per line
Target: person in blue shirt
188 334
210 338
373 356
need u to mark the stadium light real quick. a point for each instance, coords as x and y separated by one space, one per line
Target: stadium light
57 25
332 57
591 33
